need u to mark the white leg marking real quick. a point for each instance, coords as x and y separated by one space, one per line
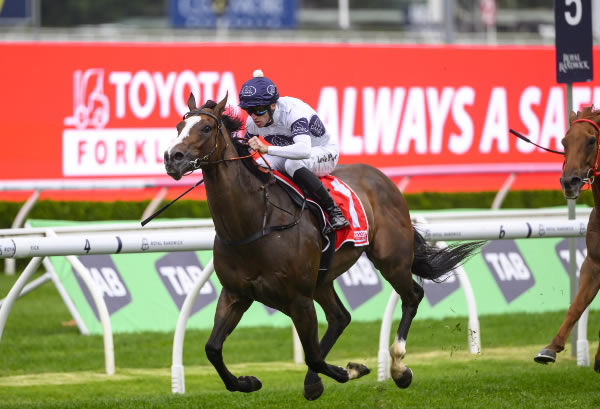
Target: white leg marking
397 352
352 373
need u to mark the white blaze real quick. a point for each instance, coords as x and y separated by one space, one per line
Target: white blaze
185 132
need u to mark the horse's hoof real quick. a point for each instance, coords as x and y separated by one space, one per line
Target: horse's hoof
355 370
597 365
313 391
248 384
404 380
339 374
545 356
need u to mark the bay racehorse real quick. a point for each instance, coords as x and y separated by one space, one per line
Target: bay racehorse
280 268
582 151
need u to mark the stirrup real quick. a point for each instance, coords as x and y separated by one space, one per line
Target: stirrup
338 221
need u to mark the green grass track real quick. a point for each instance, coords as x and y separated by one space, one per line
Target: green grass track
45 363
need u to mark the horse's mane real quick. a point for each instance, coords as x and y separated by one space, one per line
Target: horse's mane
234 124
588 112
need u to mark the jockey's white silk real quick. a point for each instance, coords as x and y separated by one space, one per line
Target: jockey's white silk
295 126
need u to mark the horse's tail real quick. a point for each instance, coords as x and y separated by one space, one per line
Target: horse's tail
431 262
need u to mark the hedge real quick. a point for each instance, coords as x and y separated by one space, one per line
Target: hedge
122 210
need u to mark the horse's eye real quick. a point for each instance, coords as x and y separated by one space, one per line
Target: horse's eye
591 141
206 129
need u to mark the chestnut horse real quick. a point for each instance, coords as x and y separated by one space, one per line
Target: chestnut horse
580 168
280 268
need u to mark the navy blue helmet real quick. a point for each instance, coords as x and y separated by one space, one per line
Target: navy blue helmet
258 91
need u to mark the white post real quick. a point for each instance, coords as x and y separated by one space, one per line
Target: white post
383 356
583 346
298 350
109 354
344 14
177 371
10 263
14 292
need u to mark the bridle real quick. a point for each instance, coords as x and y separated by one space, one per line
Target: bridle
203 161
593 171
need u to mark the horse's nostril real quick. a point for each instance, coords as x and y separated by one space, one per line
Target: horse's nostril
571 181
178 156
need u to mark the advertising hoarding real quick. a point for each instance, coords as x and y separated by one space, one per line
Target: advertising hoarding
110 110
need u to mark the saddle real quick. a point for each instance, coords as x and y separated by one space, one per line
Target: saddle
345 198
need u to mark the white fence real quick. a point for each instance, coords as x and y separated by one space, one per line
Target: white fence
37 186
121 238
404 172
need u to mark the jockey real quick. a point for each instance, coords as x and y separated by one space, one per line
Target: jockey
300 144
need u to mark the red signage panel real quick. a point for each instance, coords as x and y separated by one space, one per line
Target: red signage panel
110 109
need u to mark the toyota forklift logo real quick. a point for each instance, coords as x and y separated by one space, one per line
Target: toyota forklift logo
91 107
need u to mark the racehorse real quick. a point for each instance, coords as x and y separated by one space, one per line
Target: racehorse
278 267
582 151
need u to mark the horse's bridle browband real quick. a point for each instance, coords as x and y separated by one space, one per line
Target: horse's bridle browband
593 171
198 162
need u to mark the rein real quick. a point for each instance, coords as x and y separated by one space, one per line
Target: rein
203 161
593 171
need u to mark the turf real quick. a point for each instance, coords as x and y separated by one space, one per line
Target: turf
45 363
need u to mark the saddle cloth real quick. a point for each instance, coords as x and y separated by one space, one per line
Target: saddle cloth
349 204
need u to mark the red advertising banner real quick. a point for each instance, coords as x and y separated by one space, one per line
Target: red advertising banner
98 110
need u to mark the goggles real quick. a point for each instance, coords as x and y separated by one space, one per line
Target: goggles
258 110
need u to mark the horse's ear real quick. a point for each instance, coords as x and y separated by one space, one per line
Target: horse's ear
221 105
191 102
572 116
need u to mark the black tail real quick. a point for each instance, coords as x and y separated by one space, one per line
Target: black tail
432 262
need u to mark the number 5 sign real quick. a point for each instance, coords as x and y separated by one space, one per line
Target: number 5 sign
573 22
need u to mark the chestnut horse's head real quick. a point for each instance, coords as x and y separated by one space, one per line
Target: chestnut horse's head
581 151
199 135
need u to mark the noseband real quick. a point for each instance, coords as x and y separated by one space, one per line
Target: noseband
593 171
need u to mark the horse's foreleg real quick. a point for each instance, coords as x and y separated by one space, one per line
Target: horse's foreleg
338 319
303 314
589 283
230 309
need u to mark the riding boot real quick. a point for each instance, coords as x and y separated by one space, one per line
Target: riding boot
313 188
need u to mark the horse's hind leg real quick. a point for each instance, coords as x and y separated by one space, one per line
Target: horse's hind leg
589 283
396 269
303 314
338 319
230 309
411 298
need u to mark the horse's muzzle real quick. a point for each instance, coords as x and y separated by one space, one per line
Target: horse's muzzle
171 166
571 186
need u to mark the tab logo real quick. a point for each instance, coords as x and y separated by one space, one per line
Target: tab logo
109 281
360 283
562 251
179 272
509 269
436 292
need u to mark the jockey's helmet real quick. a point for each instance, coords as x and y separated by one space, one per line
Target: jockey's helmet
258 91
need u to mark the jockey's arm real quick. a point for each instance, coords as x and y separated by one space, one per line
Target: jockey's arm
300 149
